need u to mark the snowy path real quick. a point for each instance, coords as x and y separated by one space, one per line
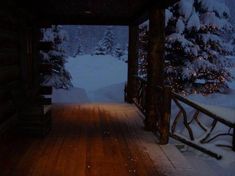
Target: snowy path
95 79
95 72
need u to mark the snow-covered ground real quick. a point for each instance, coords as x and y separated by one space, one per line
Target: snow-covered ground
102 79
202 162
95 79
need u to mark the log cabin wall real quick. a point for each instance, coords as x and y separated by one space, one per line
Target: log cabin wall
9 67
19 39
15 61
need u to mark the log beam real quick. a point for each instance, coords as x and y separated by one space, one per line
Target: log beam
155 67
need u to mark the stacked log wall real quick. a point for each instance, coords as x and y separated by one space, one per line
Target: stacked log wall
9 67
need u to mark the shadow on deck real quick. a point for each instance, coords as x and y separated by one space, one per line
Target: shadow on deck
91 140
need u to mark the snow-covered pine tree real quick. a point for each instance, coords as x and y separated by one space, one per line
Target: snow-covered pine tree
124 58
79 50
118 51
106 45
60 77
143 48
195 47
232 41
100 49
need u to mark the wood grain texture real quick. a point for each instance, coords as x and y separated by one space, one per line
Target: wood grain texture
86 140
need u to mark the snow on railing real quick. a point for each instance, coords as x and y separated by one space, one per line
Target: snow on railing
197 131
197 127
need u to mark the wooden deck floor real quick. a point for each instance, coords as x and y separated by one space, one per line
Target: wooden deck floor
86 140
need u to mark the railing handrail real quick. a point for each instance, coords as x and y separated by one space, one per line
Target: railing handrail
208 110
199 107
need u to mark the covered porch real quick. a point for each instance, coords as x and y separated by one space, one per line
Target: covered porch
91 140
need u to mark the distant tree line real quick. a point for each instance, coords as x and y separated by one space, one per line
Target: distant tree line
108 45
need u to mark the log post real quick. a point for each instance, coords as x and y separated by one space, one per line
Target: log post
155 67
132 63
166 114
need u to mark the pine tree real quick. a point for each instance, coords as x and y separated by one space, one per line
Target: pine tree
143 48
79 51
106 45
60 77
232 41
118 51
100 49
195 47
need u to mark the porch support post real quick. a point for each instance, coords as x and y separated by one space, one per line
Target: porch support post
132 63
155 67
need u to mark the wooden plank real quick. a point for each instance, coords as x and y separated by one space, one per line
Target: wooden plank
69 20
9 74
85 140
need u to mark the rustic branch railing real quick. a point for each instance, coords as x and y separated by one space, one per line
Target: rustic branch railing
185 121
188 120
140 98
163 107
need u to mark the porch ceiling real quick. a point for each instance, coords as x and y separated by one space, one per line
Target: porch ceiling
90 11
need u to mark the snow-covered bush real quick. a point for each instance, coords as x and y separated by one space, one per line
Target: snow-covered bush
60 77
195 48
